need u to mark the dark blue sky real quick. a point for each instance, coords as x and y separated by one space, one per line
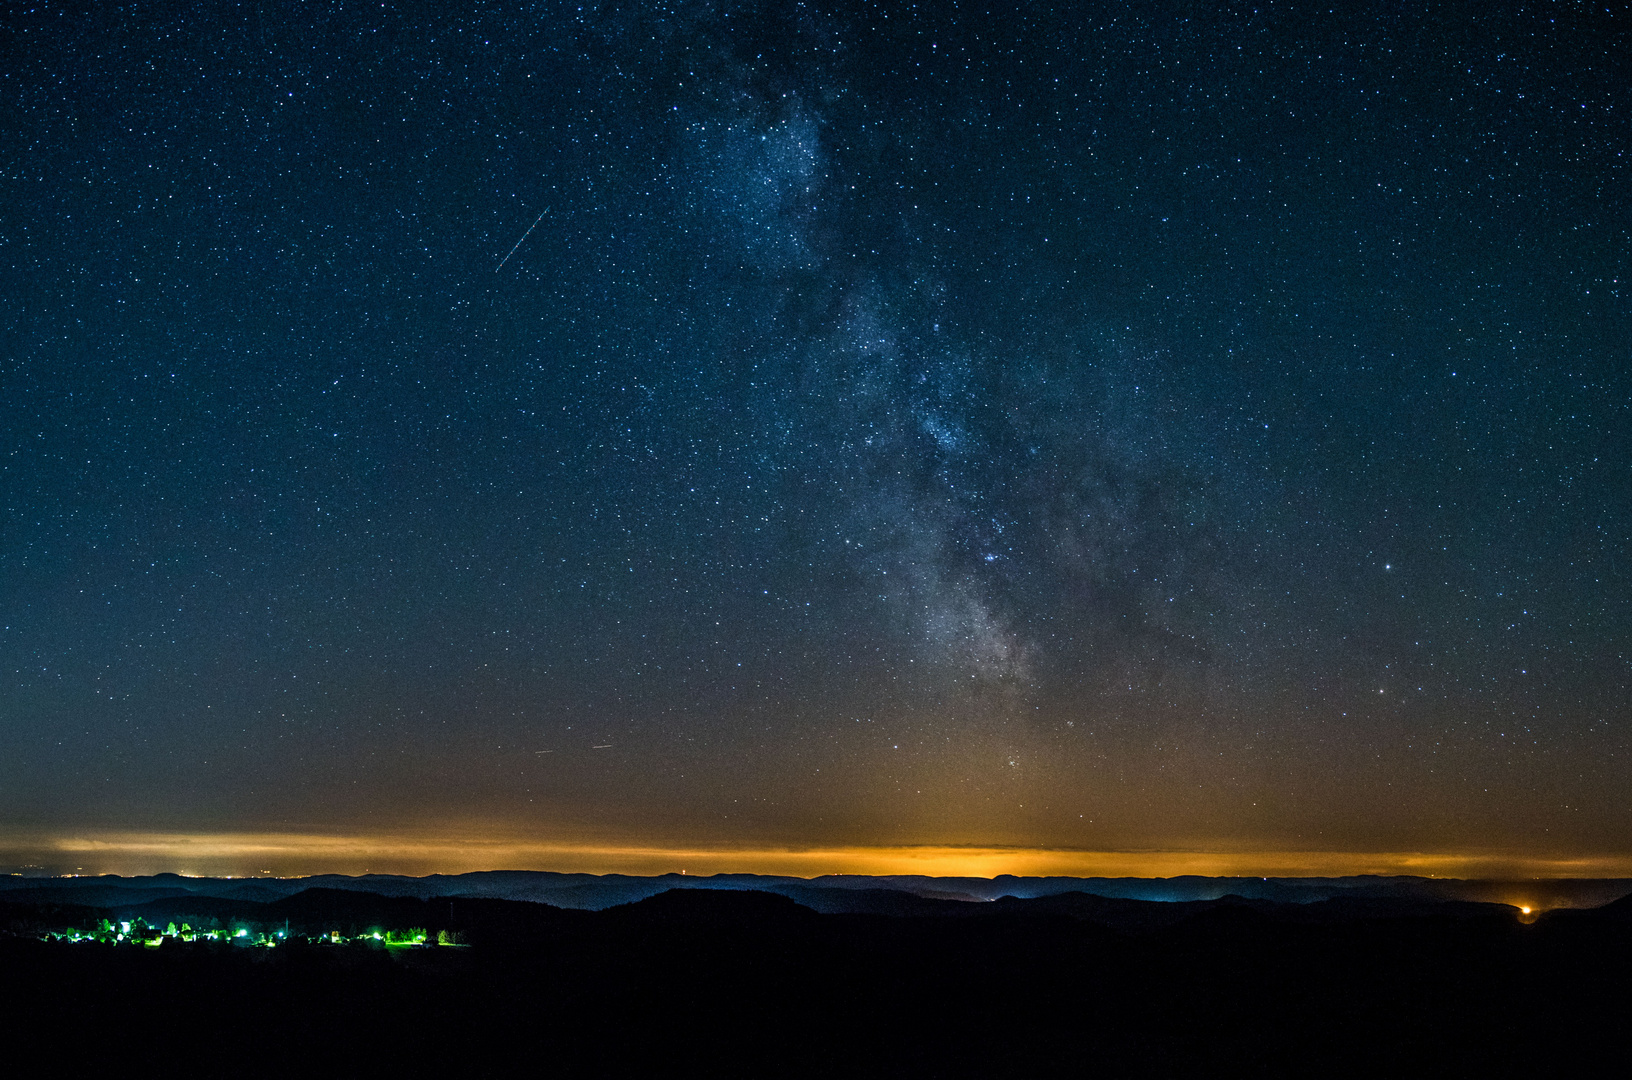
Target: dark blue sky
1119 426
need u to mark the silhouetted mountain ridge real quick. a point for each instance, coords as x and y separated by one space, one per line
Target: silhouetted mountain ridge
750 981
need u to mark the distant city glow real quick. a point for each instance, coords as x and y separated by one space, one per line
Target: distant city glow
296 854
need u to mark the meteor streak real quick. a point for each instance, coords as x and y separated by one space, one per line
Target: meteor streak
524 236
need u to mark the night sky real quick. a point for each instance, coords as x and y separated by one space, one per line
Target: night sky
1119 427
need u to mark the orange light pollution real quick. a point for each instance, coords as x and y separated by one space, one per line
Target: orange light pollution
248 854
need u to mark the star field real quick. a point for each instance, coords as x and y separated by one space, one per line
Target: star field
1131 426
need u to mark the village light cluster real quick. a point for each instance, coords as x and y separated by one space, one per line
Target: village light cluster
139 932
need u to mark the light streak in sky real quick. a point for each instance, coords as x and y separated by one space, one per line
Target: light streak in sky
524 236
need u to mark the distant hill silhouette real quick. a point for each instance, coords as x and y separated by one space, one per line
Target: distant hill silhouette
834 980
831 894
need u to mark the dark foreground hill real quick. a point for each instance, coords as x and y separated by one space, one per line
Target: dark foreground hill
755 984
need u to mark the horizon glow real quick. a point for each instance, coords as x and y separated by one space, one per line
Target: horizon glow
250 855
